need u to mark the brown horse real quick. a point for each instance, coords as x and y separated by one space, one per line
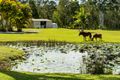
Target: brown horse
96 36
85 34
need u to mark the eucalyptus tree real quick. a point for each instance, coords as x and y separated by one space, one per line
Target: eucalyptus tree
66 10
34 9
45 8
113 15
62 8
93 18
56 18
103 6
72 8
51 8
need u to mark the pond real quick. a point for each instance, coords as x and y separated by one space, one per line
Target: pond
69 58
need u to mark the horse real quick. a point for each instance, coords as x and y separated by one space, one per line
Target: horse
96 36
85 34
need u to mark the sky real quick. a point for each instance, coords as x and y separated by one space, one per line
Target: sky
58 0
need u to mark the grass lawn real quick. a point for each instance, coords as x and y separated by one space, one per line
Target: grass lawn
67 35
6 52
9 75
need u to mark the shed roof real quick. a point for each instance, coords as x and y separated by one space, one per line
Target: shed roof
41 20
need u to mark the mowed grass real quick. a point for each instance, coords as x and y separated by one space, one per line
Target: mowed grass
60 34
6 53
67 35
10 75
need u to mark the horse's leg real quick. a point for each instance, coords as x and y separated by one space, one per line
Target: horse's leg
84 38
96 39
90 36
100 38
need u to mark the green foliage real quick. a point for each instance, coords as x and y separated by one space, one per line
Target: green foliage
6 52
14 13
43 8
66 10
102 14
34 9
110 13
23 15
98 60
56 18
61 13
81 18
5 7
7 55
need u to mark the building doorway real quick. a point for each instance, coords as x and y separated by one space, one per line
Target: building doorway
43 24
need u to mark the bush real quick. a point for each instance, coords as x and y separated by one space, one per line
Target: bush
101 58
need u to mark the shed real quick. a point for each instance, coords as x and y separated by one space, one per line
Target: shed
41 23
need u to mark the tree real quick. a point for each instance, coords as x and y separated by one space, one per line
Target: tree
72 8
5 9
62 10
104 5
56 18
51 8
104 14
92 19
33 6
45 8
66 10
14 13
11 15
23 15
81 18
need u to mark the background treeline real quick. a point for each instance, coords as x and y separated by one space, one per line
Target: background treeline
88 14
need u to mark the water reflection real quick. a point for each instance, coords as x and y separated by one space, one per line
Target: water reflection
51 60
69 58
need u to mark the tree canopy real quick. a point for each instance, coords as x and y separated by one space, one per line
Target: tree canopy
14 14
89 14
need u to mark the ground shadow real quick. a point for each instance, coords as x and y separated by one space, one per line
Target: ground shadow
109 78
24 76
19 32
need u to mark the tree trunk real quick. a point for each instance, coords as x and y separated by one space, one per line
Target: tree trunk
10 27
101 19
19 29
3 26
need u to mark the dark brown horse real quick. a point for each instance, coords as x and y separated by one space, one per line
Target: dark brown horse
85 34
96 36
